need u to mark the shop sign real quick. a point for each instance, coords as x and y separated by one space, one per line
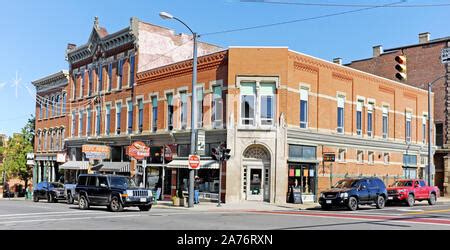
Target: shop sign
329 157
61 158
138 150
168 154
201 142
96 152
194 162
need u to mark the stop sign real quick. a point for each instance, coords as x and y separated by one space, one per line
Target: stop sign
194 162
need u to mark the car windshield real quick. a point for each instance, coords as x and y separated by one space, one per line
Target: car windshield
402 184
345 183
122 182
56 185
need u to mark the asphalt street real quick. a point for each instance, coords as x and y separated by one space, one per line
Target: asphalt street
29 215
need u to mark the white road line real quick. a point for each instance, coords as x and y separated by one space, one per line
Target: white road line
43 213
48 215
66 219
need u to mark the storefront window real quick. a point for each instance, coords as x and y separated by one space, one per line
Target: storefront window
303 152
301 176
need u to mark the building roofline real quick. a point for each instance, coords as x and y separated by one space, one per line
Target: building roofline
370 58
437 40
50 78
361 72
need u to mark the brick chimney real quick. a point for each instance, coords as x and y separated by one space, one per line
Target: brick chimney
337 60
377 50
424 37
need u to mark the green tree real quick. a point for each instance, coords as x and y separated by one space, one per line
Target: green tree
15 153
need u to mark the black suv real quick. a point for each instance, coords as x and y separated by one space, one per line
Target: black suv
51 191
113 191
354 192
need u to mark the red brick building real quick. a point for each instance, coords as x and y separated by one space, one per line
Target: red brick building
423 66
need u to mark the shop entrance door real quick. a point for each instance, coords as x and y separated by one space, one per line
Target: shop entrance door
255 188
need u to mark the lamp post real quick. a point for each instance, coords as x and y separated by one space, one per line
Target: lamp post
429 128
165 15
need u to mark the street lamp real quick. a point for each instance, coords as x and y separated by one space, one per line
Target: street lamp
429 127
165 15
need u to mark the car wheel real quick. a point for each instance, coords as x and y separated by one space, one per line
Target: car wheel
69 198
145 208
381 202
115 205
35 198
410 200
432 200
352 204
50 198
83 203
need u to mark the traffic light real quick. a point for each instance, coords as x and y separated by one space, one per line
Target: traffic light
400 67
226 154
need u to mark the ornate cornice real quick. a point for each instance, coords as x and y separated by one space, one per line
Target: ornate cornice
305 67
347 72
57 80
342 77
184 67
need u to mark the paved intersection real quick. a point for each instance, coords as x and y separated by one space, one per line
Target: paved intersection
29 215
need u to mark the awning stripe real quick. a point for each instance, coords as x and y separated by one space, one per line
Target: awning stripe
75 165
120 167
204 164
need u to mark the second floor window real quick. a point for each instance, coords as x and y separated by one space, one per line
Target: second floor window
385 122
58 105
359 111
140 115
132 65
424 129
91 83
303 108
170 111
217 106
154 113
110 79
130 117
183 109
370 120
248 103
119 73
199 107
100 78
340 114
108 119
118 117
267 103
88 122
371 157
360 156
98 121
80 123
408 127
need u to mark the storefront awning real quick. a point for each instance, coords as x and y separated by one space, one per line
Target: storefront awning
120 167
75 165
204 164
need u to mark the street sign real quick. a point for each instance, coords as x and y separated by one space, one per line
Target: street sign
201 142
97 152
138 150
445 55
328 157
194 162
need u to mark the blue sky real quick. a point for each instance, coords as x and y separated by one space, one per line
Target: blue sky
34 34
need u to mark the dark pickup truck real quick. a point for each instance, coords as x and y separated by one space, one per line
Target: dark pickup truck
113 191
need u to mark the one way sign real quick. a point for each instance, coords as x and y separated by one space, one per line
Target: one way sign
445 55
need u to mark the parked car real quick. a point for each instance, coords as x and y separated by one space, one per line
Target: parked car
113 191
411 190
51 191
69 192
351 193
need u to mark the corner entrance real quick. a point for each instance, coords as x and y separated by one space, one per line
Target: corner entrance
256 174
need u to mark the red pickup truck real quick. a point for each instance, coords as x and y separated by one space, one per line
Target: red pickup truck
410 190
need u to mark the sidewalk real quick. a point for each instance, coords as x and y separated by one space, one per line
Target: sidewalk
239 206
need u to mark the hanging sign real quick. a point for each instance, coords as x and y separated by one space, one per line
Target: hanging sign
138 150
